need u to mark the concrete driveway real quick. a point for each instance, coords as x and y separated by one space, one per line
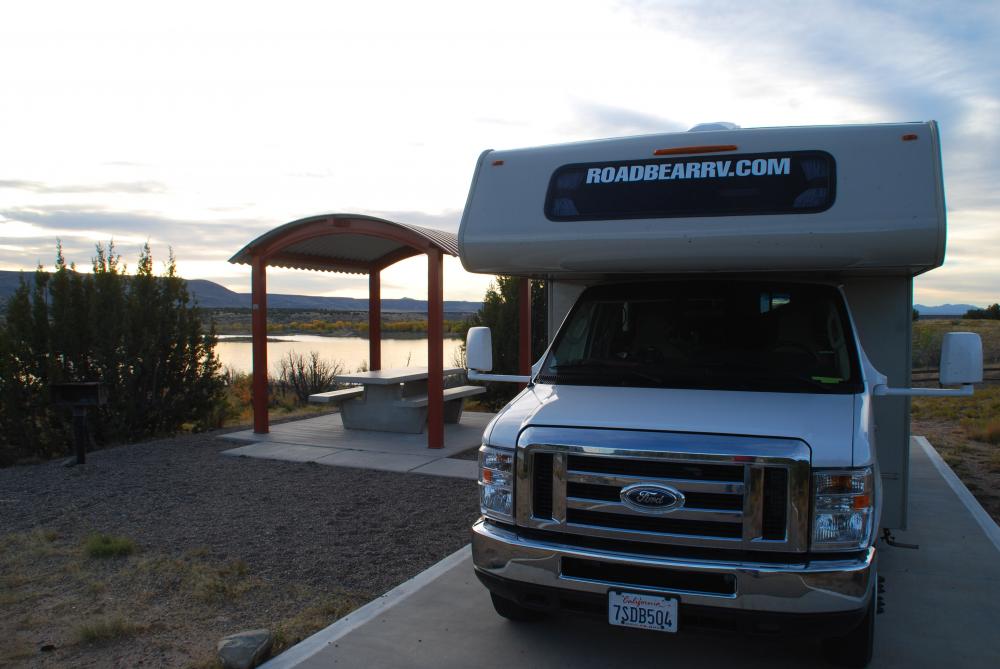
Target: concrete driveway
942 610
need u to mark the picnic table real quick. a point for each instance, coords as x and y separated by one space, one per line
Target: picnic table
395 400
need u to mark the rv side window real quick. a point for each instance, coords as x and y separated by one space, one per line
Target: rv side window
792 182
708 334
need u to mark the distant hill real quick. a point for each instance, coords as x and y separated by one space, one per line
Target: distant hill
944 309
211 295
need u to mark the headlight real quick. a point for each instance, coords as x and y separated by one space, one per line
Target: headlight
843 505
496 483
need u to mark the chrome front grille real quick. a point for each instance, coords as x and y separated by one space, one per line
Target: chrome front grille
740 492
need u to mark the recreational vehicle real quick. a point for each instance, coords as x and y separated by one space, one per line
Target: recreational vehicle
718 433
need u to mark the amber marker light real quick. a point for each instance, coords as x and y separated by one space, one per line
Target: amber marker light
862 502
497 163
708 148
909 138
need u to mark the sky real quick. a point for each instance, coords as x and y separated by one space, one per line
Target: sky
198 126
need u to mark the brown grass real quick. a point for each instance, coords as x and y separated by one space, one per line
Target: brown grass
972 412
927 336
312 619
53 593
988 432
104 630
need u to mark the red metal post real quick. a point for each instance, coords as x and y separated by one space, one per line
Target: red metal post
524 327
374 320
435 350
258 320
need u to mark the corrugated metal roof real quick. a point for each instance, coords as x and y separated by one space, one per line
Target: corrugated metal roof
347 251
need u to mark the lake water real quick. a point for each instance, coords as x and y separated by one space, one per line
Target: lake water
351 351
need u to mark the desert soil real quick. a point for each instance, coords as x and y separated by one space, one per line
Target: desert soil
222 545
976 463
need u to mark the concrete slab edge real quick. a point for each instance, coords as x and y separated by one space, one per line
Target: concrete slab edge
308 647
239 439
990 527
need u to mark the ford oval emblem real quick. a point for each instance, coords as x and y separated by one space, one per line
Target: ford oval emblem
652 498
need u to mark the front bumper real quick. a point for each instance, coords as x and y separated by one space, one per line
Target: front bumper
508 562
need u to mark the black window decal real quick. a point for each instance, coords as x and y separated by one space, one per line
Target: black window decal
790 182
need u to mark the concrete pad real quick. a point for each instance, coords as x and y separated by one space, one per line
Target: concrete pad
324 439
296 453
942 610
391 462
246 451
460 469
287 452
328 431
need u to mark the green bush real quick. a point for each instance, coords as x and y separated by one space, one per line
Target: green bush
500 314
108 546
139 334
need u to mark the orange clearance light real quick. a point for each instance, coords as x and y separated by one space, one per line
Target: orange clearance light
840 484
497 163
909 138
862 502
710 148
487 476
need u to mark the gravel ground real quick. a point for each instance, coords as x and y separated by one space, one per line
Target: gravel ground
271 539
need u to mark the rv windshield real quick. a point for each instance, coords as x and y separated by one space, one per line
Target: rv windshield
708 334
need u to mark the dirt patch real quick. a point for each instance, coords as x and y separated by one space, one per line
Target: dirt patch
976 463
961 429
216 545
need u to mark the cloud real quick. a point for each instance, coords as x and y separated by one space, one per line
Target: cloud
134 187
203 248
80 227
598 120
895 61
70 218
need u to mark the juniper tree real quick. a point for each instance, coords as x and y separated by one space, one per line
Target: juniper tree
141 335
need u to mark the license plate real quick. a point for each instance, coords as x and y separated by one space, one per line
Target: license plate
648 612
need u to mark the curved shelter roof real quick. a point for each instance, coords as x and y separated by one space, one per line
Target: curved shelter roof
351 243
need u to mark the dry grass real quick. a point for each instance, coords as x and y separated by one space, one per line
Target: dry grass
53 593
927 336
972 413
107 629
312 619
988 432
194 576
964 430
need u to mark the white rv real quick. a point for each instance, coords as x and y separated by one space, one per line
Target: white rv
718 432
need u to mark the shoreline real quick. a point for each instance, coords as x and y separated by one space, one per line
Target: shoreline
247 337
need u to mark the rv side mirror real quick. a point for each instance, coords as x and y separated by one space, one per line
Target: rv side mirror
479 349
961 359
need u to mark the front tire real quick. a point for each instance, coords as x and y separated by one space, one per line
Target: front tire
511 610
855 648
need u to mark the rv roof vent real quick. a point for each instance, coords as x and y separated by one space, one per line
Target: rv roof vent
717 125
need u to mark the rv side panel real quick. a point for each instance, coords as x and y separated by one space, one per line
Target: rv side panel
883 314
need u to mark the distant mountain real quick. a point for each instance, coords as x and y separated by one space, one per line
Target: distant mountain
211 295
944 309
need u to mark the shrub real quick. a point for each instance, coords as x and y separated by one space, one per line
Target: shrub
304 376
500 314
108 546
991 312
140 334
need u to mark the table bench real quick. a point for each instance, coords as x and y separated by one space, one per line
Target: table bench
453 401
395 400
336 396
